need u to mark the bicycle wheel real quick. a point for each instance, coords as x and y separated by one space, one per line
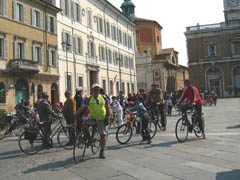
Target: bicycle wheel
152 129
32 146
79 148
197 130
181 130
67 137
95 145
124 133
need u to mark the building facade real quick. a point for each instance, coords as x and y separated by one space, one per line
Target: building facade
96 45
28 51
214 53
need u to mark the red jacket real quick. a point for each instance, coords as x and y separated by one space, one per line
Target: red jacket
192 94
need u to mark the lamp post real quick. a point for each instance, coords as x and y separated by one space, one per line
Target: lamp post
67 47
120 73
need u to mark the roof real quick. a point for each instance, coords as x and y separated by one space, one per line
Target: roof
147 20
166 51
50 5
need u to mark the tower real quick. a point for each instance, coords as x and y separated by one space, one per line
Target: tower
128 9
232 12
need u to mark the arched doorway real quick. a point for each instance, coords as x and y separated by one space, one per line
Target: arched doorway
54 94
39 91
214 80
236 81
22 90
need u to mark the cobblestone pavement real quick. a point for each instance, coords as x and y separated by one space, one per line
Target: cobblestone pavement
217 157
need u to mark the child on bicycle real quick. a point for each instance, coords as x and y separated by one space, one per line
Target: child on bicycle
142 114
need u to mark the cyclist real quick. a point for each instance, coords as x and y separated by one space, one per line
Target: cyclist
155 99
142 114
99 111
117 108
191 94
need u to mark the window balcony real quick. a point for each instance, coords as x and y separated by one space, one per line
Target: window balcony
23 65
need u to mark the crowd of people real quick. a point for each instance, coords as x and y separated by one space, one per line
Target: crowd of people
100 107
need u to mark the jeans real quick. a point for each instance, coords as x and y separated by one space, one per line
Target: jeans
145 133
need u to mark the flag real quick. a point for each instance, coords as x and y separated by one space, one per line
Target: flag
114 81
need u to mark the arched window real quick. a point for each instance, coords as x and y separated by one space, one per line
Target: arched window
39 91
2 93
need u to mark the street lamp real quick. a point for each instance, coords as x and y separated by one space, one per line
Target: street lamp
67 47
120 73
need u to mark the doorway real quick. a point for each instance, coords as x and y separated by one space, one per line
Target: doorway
215 81
54 94
93 78
22 90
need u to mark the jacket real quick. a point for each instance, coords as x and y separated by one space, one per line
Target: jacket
192 94
45 111
69 108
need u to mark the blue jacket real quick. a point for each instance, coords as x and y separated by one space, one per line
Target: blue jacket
141 110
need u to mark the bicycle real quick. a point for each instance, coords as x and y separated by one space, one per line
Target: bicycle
88 137
155 117
184 126
30 140
125 131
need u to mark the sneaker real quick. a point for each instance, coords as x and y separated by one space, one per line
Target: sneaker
204 136
101 154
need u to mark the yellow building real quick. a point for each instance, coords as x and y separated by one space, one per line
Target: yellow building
28 51
94 39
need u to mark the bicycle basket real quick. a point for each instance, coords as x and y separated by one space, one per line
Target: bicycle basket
31 133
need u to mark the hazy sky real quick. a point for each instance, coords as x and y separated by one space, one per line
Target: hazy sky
175 15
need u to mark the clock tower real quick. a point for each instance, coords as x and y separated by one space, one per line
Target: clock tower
232 12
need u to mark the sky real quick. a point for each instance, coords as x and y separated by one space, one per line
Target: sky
175 15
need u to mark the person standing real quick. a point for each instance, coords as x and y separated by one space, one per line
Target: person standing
99 111
78 97
191 93
45 112
69 109
155 99
117 108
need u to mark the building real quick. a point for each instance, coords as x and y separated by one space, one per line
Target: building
28 51
96 45
214 53
154 65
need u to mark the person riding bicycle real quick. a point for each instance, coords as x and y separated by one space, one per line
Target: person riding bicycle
155 99
142 114
191 93
99 111
45 112
117 108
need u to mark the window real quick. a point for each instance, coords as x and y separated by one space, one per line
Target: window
130 41
19 12
117 87
100 24
2 93
91 49
121 60
108 29
133 89
111 87
78 13
128 87
109 56
37 57
89 18
80 81
78 45
115 58
69 82
20 50
126 62
67 38
37 18
104 85
156 73
131 63
65 6
50 24
52 57
102 55
212 49
125 39
3 48
3 7
235 47
123 87
120 36
114 33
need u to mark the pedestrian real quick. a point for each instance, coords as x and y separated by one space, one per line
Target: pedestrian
46 112
169 105
78 97
69 109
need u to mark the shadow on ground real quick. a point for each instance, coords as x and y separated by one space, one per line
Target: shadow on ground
233 127
228 175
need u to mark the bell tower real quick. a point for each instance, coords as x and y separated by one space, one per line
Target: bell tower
232 12
128 9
